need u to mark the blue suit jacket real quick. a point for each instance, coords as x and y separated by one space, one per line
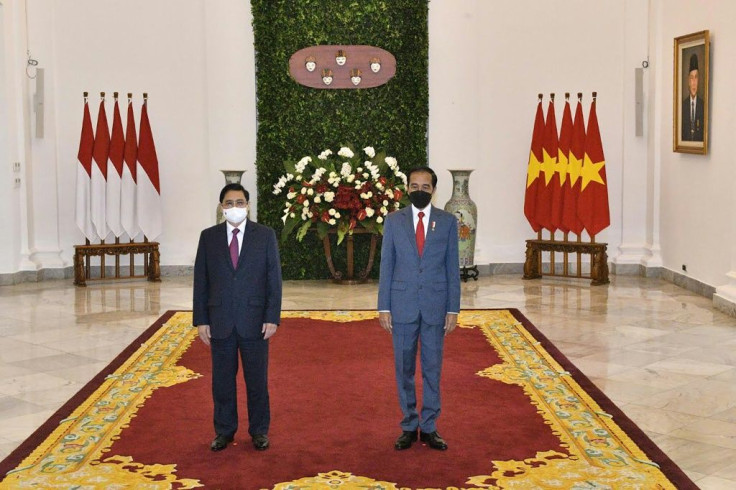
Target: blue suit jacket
244 298
410 285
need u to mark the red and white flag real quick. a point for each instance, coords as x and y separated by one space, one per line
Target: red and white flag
128 214
83 213
99 173
570 218
533 167
115 173
148 189
593 202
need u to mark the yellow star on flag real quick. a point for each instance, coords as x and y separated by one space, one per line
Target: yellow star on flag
548 167
574 169
532 172
562 167
591 172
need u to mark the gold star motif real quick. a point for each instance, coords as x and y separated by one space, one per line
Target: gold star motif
533 168
574 169
591 172
562 167
548 167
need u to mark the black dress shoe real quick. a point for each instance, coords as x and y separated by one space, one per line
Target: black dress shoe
220 442
434 440
260 442
405 439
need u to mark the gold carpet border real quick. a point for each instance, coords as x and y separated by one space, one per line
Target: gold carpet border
601 455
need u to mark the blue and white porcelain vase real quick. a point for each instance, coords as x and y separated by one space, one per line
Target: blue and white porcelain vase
466 213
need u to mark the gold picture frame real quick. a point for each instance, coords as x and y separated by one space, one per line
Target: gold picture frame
690 100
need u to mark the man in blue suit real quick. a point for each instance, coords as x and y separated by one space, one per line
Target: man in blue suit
237 308
419 300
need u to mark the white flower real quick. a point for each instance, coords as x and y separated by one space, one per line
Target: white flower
379 186
332 212
317 199
345 152
292 215
385 202
384 210
283 218
337 215
350 178
329 196
291 195
390 193
365 175
379 220
369 151
332 221
346 169
310 191
304 190
306 203
369 212
325 154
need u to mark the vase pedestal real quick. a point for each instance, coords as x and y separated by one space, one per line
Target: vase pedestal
349 277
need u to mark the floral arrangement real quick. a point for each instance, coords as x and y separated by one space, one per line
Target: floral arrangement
341 191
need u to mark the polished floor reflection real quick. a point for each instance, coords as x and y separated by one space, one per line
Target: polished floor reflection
665 356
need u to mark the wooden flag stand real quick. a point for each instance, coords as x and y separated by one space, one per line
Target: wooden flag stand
84 253
597 251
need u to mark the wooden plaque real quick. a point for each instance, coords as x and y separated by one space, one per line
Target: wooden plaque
359 61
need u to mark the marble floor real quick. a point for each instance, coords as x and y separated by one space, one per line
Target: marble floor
664 355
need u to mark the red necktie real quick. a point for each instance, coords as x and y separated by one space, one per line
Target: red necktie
420 234
234 248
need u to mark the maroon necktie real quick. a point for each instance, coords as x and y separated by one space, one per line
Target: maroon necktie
420 234
234 248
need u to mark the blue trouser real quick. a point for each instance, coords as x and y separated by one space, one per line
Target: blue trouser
254 357
405 339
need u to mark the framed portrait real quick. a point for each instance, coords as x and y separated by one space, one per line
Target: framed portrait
690 95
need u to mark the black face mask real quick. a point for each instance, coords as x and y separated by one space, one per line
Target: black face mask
420 199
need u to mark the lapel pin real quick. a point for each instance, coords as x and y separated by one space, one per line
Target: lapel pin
432 225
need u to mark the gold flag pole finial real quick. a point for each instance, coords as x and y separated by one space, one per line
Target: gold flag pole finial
85 94
130 96
567 95
102 95
115 95
580 96
595 94
145 97
540 97
552 96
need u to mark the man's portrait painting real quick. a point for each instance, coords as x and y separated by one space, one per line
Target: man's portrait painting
690 100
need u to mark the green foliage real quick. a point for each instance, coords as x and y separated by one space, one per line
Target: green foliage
294 120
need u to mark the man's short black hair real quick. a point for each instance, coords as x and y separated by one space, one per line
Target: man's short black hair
234 187
422 169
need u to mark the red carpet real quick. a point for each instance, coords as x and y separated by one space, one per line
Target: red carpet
334 408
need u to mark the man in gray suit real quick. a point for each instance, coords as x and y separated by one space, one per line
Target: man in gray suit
419 300
237 308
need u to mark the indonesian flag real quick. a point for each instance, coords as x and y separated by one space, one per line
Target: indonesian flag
148 191
561 169
593 201
128 214
570 218
532 169
99 173
549 162
115 173
83 213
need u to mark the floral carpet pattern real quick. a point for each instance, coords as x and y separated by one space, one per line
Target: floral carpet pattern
599 454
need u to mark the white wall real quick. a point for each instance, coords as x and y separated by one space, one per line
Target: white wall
488 60
698 224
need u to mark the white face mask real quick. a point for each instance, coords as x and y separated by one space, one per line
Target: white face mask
235 215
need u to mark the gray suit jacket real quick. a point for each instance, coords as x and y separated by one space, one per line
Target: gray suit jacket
244 298
410 285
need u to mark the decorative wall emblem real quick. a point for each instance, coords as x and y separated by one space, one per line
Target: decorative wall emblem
337 67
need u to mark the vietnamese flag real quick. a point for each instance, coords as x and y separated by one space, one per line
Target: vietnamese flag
570 218
593 201
83 215
128 214
115 173
549 162
148 190
561 169
100 154
533 167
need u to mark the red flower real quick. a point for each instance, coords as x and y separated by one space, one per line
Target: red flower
362 215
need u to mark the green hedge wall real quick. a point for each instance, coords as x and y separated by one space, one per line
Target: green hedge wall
295 121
